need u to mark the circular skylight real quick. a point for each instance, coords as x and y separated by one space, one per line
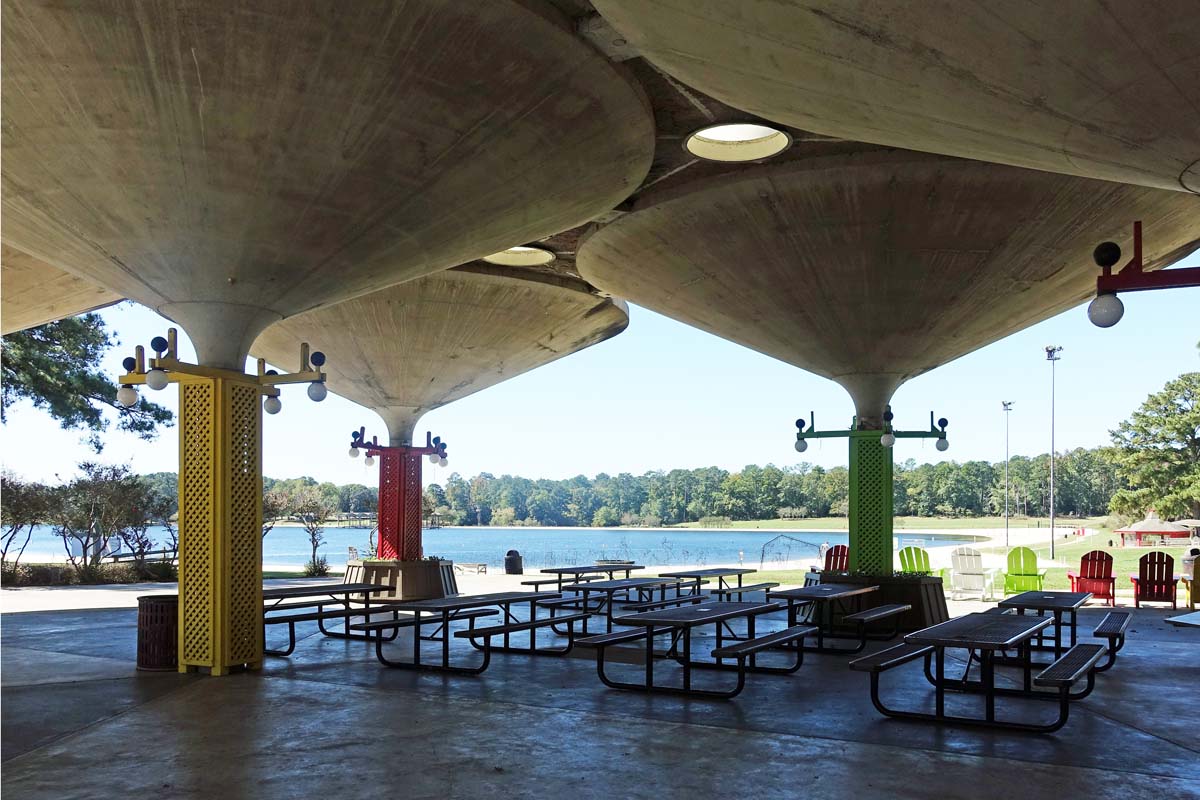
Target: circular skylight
737 141
521 257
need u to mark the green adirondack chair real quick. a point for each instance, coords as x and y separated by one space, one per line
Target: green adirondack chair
1023 574
914 559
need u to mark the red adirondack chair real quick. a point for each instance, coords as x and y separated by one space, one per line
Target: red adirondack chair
838 558
1155 581
1095 576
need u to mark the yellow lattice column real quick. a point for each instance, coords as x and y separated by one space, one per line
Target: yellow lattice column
220 516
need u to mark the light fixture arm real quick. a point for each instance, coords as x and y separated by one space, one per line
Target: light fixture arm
936 430
166 359
433 445
1133 277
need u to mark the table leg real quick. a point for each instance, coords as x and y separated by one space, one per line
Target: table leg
687 659
1073 625
1057 633
749 636
533 631
1027 659
346 620
416 638
940 689
445 638
720 638
987 669
650 658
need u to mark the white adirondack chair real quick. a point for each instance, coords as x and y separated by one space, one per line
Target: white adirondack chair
968 575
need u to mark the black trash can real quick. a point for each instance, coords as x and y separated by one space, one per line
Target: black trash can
158 632
512 563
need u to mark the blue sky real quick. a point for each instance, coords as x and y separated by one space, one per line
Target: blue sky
663 395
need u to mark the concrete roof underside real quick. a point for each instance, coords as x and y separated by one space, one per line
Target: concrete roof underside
1101 89
414 347
33 293
229 164
873 268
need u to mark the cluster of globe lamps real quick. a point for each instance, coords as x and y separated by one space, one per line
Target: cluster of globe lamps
157 379
888 439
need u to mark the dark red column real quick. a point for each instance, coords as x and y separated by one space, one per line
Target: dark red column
400 502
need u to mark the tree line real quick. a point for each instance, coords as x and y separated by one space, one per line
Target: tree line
1085 483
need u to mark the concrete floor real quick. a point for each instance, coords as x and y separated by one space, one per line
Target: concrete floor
330 722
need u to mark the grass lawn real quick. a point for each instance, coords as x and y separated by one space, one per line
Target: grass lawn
904 523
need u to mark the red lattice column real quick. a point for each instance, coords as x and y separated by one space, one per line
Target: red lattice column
389 502
399 502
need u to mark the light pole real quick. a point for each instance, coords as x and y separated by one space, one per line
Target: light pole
1008 404
1052 352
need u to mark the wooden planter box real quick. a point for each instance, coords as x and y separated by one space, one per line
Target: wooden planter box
923 592
410 580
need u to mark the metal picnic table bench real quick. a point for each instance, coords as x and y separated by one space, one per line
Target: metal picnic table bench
1059 604
444 610
317 597
818 600
608 590
679 622
725 588
610 570
987 635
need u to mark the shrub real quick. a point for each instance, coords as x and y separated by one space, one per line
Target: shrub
317 568
715 522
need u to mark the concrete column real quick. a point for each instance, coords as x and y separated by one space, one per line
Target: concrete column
870 503
220 523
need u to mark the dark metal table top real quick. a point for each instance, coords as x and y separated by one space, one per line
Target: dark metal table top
322 590
584 570
462 601
980 631
618 584
823 591
1047 601
701 614
714 572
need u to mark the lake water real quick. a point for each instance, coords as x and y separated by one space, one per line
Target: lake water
542 547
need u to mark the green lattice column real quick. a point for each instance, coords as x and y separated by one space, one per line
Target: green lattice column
870 504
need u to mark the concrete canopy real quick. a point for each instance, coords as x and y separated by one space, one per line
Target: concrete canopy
34 293
411 348
1086 87
232 163
872 269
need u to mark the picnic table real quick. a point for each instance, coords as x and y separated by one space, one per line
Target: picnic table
590 569
1059 604
337 593
679 623
643 587
818 601
720 573
1191 620
441 611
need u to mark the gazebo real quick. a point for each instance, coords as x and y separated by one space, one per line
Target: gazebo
1156 529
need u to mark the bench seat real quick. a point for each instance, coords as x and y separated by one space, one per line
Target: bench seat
617 637
751 646
571 602
316 616
654 605
1074 664
891 657
411 621
752 587
1113 625
517 627
877 613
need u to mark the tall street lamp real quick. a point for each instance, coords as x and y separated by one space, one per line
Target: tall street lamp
1052 352
1007 404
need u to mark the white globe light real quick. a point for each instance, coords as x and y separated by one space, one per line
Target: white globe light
272 405
317 391
442 462
156 379
354 452
369 461
433 458
801 445
943 444
1106 310
887 440
127 396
